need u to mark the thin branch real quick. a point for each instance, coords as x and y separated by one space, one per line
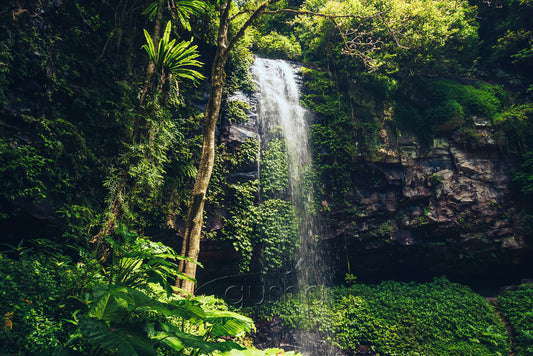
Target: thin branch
392 33
243 12
353 45
494 3
257 12
318 14
19 11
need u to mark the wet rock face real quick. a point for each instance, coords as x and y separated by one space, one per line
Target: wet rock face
443 208
452 202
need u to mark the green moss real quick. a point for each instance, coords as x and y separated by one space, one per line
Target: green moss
482 100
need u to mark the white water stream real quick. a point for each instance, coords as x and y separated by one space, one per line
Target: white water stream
278 106
278 101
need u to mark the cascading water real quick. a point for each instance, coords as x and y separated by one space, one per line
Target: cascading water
278 107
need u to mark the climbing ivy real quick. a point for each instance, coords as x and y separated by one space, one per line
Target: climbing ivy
274 169
276 233
517 308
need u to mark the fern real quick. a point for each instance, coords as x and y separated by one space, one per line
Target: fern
181 9
176 58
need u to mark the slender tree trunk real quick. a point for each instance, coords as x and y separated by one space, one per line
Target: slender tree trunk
150 70
193 228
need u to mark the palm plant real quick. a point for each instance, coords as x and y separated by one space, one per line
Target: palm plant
173 58
181 10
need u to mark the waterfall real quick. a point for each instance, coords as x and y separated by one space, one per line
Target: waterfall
279 113
278 106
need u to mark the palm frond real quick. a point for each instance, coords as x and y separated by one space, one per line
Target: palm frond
177 58
182 10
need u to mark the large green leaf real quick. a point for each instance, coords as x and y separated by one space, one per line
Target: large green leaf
226 323
184 9
118 301
167 339
121 342
198 343
110 307
267 352
231 327
177 58
149 47
188 309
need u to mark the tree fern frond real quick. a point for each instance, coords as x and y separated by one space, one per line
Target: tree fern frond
182 10
177 58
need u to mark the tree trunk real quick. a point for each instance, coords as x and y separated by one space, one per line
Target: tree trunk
193 228
191 240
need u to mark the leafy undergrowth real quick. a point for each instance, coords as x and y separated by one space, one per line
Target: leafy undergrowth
395 318
517 308
38 297
52 305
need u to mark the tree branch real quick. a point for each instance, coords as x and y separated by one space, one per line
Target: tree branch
352 46
19 11
256 13
392 33
318 14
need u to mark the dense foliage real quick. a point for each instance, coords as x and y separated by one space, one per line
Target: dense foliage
267 227
436 68
52 305
395 318
517 307
100 133
41 295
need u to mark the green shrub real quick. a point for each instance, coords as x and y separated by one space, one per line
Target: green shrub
26 174
275 45
447 116
482 99
395 318
38 295
381 87
237 111
514 130
517 308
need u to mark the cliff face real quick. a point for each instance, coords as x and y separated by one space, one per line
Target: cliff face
419 210
447 208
